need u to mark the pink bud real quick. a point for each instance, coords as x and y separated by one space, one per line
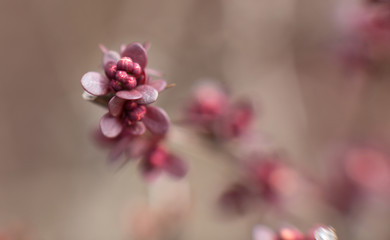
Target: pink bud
136 114
110 70
137 70
116 85
125 64
130 83
130 105
121 76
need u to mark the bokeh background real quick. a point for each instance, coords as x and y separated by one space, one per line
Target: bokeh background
57 184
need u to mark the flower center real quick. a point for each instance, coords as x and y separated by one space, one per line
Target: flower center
133 112
124 75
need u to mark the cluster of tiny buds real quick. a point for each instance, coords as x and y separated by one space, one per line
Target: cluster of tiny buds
133 112
124 74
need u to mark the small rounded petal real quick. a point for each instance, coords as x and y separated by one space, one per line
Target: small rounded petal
103 48
95 83
149 94
146 45
110 56
159 84
137 128
262 232
137 147
129 95
118 149
111 126
137 53
153 72
115 106
156 120
125 64
176 167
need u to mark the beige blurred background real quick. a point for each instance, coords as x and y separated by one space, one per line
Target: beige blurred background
56 181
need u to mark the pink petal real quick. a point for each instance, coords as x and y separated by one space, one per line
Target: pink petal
103 48
123 47
110 56
146 45
156 120
115 106
110 126
153 72
118 149
176 167
137 128
149 94
261 232
159 84
137 53
137 147
129 95
95 83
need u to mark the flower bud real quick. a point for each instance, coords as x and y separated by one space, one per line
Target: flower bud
130 105
125 64
137 113
121 76
110 70
116 85
137 70
130 83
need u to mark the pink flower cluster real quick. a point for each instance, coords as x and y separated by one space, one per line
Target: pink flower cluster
358 171
266 179
211 110
128 91
365 26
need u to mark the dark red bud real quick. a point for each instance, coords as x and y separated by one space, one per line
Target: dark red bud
137 70
121 76
110 70
136 114
141 80
130 83
130 105
116 85
125 64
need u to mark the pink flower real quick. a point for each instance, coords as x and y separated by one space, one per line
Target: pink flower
122 72
211 110
368 167
266 178
127 90
158 159
130 91
271 177
131 117
365 27
357 170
